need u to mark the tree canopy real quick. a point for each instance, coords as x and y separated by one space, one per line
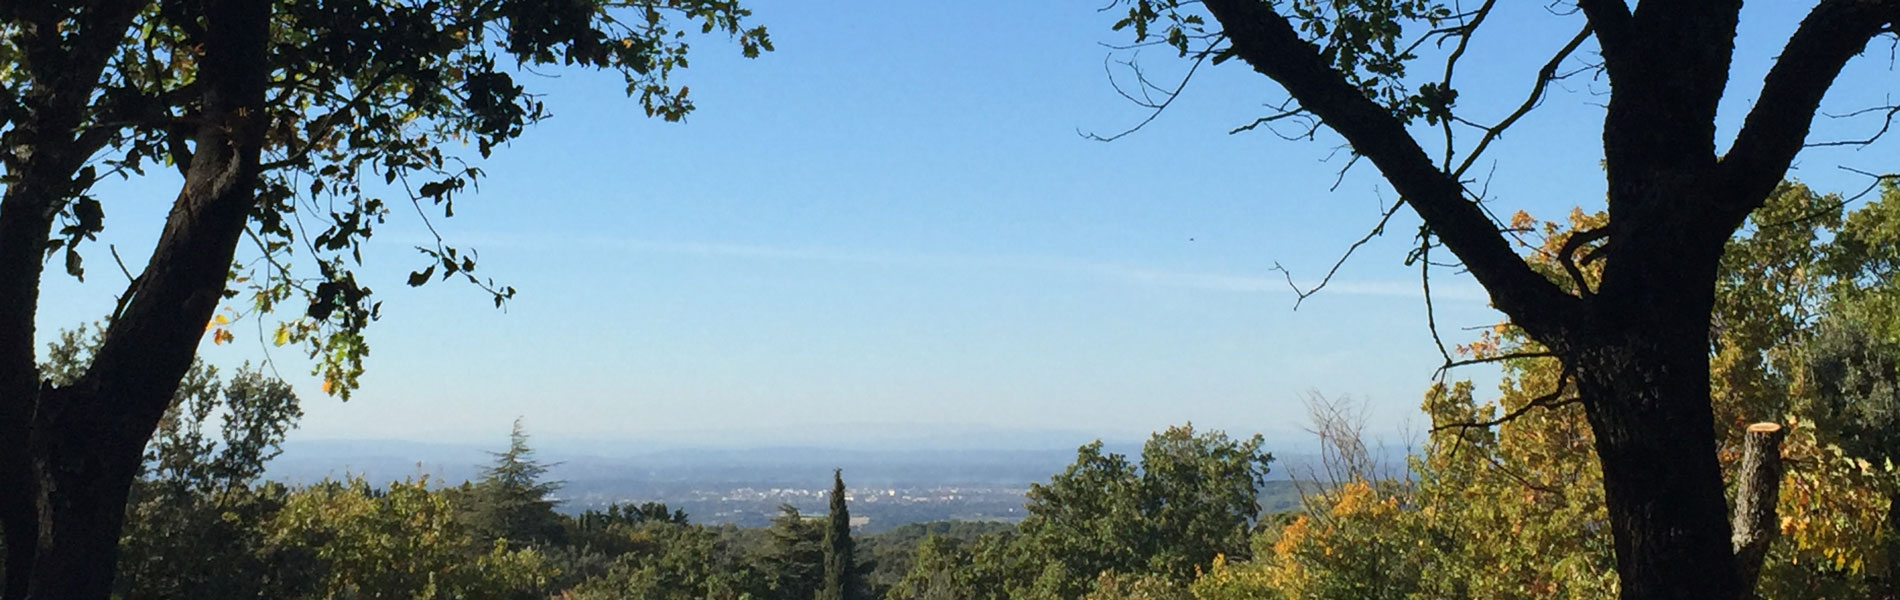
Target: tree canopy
298 127
1627 311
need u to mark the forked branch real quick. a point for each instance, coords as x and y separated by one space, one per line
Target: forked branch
1777 128
1270 44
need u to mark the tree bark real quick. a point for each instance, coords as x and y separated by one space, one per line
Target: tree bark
1646 396
42 150
1891 584
88 437
1757 489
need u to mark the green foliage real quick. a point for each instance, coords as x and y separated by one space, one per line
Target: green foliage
794 556
948 568
1370 42
937 573
511 502
893 551
1856 378
1112 586
1192 498
675 561
367 103
348 540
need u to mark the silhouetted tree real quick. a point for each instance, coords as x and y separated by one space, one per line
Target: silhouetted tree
843 580
1636 344
263 108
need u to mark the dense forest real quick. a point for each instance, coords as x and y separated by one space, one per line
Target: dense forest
1502 500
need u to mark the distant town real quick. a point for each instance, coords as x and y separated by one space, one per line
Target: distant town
748 487
873 509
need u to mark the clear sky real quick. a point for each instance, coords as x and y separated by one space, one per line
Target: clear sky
892 223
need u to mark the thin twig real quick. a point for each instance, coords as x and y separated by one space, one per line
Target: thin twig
1375 232
1156 107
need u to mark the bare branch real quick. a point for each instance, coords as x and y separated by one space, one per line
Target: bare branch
1377 230
1879 178
1270 44
1148 102
1494 359
1566 254
1554 399
1296 113
1464 32
1544 77
1885 124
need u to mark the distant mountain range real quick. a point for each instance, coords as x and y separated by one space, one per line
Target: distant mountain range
591 463
382 460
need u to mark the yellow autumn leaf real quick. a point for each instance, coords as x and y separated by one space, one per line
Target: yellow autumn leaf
1521 220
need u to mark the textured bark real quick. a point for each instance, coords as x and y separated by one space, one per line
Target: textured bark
1757 489
1891 584
42 151
86 439
1638 344
1644 377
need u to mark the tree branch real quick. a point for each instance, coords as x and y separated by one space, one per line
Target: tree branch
1610 19
1554 399
1268 42
1544 77
1378 229
1775 130
151 344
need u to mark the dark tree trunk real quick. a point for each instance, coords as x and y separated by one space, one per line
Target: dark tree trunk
42 152
87 438
21 251
1640 353
84 481
1647 400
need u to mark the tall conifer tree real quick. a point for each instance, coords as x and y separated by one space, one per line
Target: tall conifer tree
511 501
841 566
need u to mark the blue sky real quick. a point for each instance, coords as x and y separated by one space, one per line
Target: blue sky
892 222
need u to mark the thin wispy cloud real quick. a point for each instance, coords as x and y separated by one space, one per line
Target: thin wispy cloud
1265 283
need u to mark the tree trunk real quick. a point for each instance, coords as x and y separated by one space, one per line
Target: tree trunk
1892 582
21 250
88 437
1646 389
41 152
1757 489
86 460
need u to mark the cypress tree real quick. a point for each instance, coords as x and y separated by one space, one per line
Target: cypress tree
842 579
